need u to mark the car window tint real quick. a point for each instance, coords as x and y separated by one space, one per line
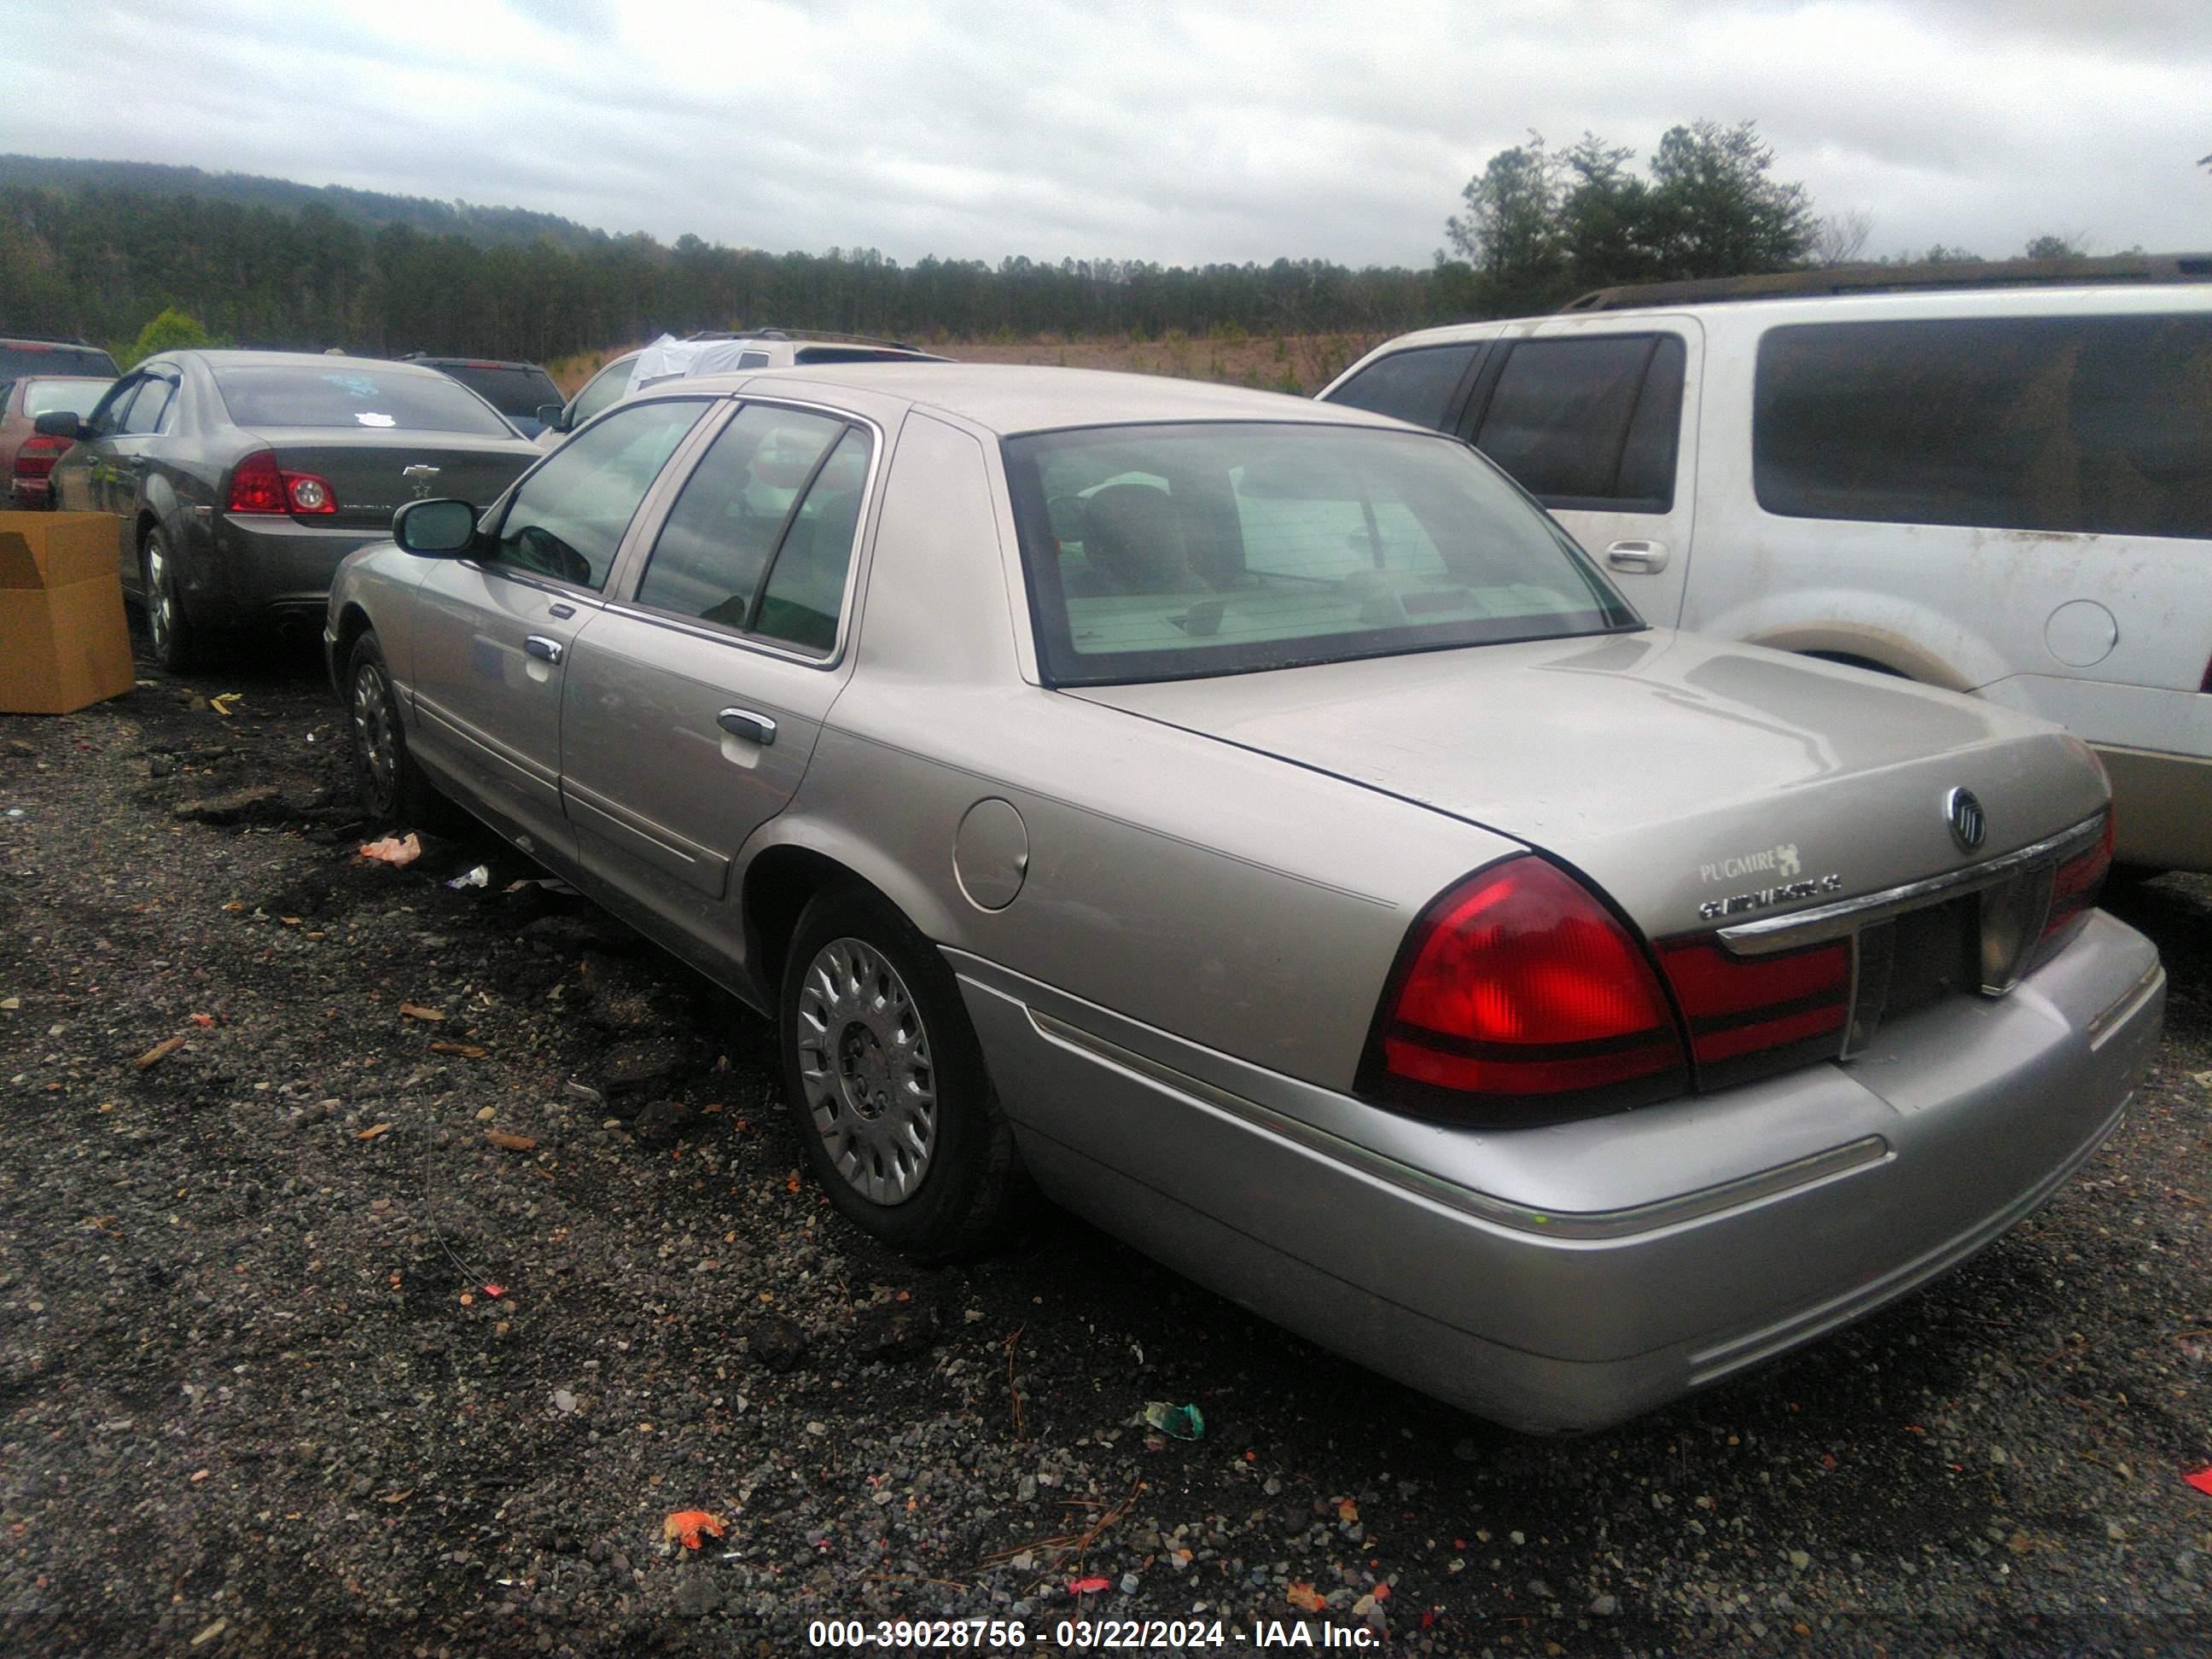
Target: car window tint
604 388
41 397
568 518
2090 424
1167 552
360 397
1560 417
510 388
733 510
147 408
107 416
806 584
1414 385
22 358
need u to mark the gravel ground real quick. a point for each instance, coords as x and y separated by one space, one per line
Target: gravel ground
295 1356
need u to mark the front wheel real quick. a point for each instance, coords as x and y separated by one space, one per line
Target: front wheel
886 1082
174 641
392 787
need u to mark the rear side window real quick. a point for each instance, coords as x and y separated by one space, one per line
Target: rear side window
1592 422
1414 385
46 397
353 397
2090 424
778 486
148 407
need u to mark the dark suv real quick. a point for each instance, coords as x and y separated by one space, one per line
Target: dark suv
517 391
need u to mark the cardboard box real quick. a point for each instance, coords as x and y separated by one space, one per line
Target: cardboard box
63 641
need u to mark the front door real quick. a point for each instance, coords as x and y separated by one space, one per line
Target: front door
494 631
693 709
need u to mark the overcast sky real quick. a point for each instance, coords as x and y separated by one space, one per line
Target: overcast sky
1206 130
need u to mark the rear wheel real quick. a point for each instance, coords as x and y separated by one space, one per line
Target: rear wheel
392 787
886 1082
173 640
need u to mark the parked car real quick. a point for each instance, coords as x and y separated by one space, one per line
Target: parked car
669 358
2006 491
518 391
28 456
239 479
55 358
1253 821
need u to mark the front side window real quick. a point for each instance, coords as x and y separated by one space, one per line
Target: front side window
2087 424
351 396
568 519
107 416
761 534
1416 386
1589 422
1172 552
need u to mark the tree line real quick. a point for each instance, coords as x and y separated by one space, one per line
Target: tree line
98 250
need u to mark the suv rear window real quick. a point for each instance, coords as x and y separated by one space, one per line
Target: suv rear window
2090 424
1172 552
366 399
1591 422
510 388
19 358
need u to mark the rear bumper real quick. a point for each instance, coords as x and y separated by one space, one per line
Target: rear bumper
261 570
1567 1277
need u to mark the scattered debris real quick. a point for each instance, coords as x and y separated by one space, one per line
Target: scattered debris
685 1526
563 1401
777 1343
203 1021
1090 1586
2202 1479
466 1050
479 876
254 801
1183 1422
417 1011
1305 1598
372 1132
160 1052
226 703
210 1632
395 851
510 1143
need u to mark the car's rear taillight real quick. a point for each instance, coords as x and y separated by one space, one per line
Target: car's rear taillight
258 484
36 458
1755 1015
1519 1000
2075 889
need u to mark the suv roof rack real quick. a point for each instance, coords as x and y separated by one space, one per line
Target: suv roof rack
770 332
1883 279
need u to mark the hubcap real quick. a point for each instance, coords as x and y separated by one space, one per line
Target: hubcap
375 739
864 1062
161 603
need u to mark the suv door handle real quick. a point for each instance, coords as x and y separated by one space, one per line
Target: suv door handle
542 649
1637 555
743 723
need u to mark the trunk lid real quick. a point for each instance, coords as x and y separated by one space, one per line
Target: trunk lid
370 471
1672 769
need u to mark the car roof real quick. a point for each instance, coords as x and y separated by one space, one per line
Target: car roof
1008 399
233 357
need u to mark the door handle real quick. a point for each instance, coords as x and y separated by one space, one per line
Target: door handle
743 723
1637 555
542 649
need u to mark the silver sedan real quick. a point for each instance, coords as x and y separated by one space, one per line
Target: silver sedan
1255 824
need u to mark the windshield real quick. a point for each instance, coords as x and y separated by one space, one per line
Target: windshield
78 396
510 388
361 398
21 357
1172 552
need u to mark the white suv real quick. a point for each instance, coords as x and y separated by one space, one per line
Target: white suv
2004 490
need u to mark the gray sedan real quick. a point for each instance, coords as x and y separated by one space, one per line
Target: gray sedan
239 480
1257 825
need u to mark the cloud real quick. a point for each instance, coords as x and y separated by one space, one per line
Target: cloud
1217 131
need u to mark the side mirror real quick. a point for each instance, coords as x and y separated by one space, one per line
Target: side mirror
434 530
59 423
549 416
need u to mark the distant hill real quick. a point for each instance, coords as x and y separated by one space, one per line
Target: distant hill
487 227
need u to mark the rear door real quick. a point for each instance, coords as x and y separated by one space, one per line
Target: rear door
492 633
693 708
1599 421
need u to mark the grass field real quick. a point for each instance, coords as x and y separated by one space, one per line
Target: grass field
1299 364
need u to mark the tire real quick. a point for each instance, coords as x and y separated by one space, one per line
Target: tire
392 787
174 641
886 1082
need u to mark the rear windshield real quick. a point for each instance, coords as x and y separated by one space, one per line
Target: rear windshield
370 399
1173 552
512 390
78 396
20 358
